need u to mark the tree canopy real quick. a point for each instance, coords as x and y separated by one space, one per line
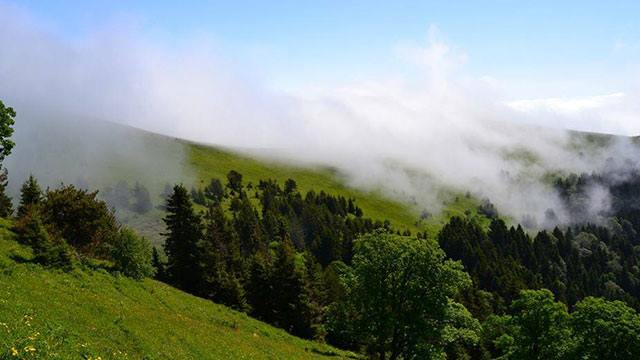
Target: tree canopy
399 297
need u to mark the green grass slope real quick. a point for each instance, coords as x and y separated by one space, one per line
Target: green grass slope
208 162
90 314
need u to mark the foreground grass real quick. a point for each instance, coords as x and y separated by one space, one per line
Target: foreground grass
90 314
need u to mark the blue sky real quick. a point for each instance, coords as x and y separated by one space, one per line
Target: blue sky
537 48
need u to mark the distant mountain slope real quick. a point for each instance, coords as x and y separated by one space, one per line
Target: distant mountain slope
94 315
98 154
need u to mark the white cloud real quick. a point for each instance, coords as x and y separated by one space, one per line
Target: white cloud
408 136
617 113
568 106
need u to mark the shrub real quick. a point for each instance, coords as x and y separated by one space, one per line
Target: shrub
47 250
77 216
132 255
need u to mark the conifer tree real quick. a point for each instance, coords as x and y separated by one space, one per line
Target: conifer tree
293 311
141 199
214 192
30 195
47 250
159 264
260 292
217 257
234 182
184 231
248 227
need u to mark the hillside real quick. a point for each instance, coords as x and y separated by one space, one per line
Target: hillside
90 314
100 154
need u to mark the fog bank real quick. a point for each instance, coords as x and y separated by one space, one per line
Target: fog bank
411 136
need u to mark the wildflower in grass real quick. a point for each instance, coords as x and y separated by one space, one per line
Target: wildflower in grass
29 349
14 352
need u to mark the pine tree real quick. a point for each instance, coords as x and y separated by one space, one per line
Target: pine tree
293 310
260 291
30 195
141 199
214 192
159 264
184 231
47 250
234 182
248 227
231 292
217 256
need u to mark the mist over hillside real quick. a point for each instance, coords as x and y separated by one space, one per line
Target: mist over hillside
411 136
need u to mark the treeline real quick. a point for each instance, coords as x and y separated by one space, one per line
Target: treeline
265 249
316 267
123 197
582 261
621 187
313 265
538 327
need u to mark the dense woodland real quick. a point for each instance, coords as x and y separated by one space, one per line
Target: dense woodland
313 264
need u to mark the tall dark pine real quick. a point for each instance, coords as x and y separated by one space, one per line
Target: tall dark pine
159 264
247 224
184 231
217 258
293 310
30 195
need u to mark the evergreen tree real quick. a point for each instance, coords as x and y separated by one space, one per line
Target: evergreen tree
234 182
247 224
294 311
159 263
197 195
214 192
47 250
141 199
30 195
260 290
217 257
184 231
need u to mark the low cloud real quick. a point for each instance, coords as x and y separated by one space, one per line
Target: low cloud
409 136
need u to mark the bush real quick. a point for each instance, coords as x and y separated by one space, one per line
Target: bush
85 222
132 255
47 250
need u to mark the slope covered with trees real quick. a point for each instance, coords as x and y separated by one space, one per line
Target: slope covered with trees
91 314
312 263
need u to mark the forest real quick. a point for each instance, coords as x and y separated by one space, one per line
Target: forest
316 266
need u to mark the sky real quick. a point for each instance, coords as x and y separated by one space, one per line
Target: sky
535 49
381 91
